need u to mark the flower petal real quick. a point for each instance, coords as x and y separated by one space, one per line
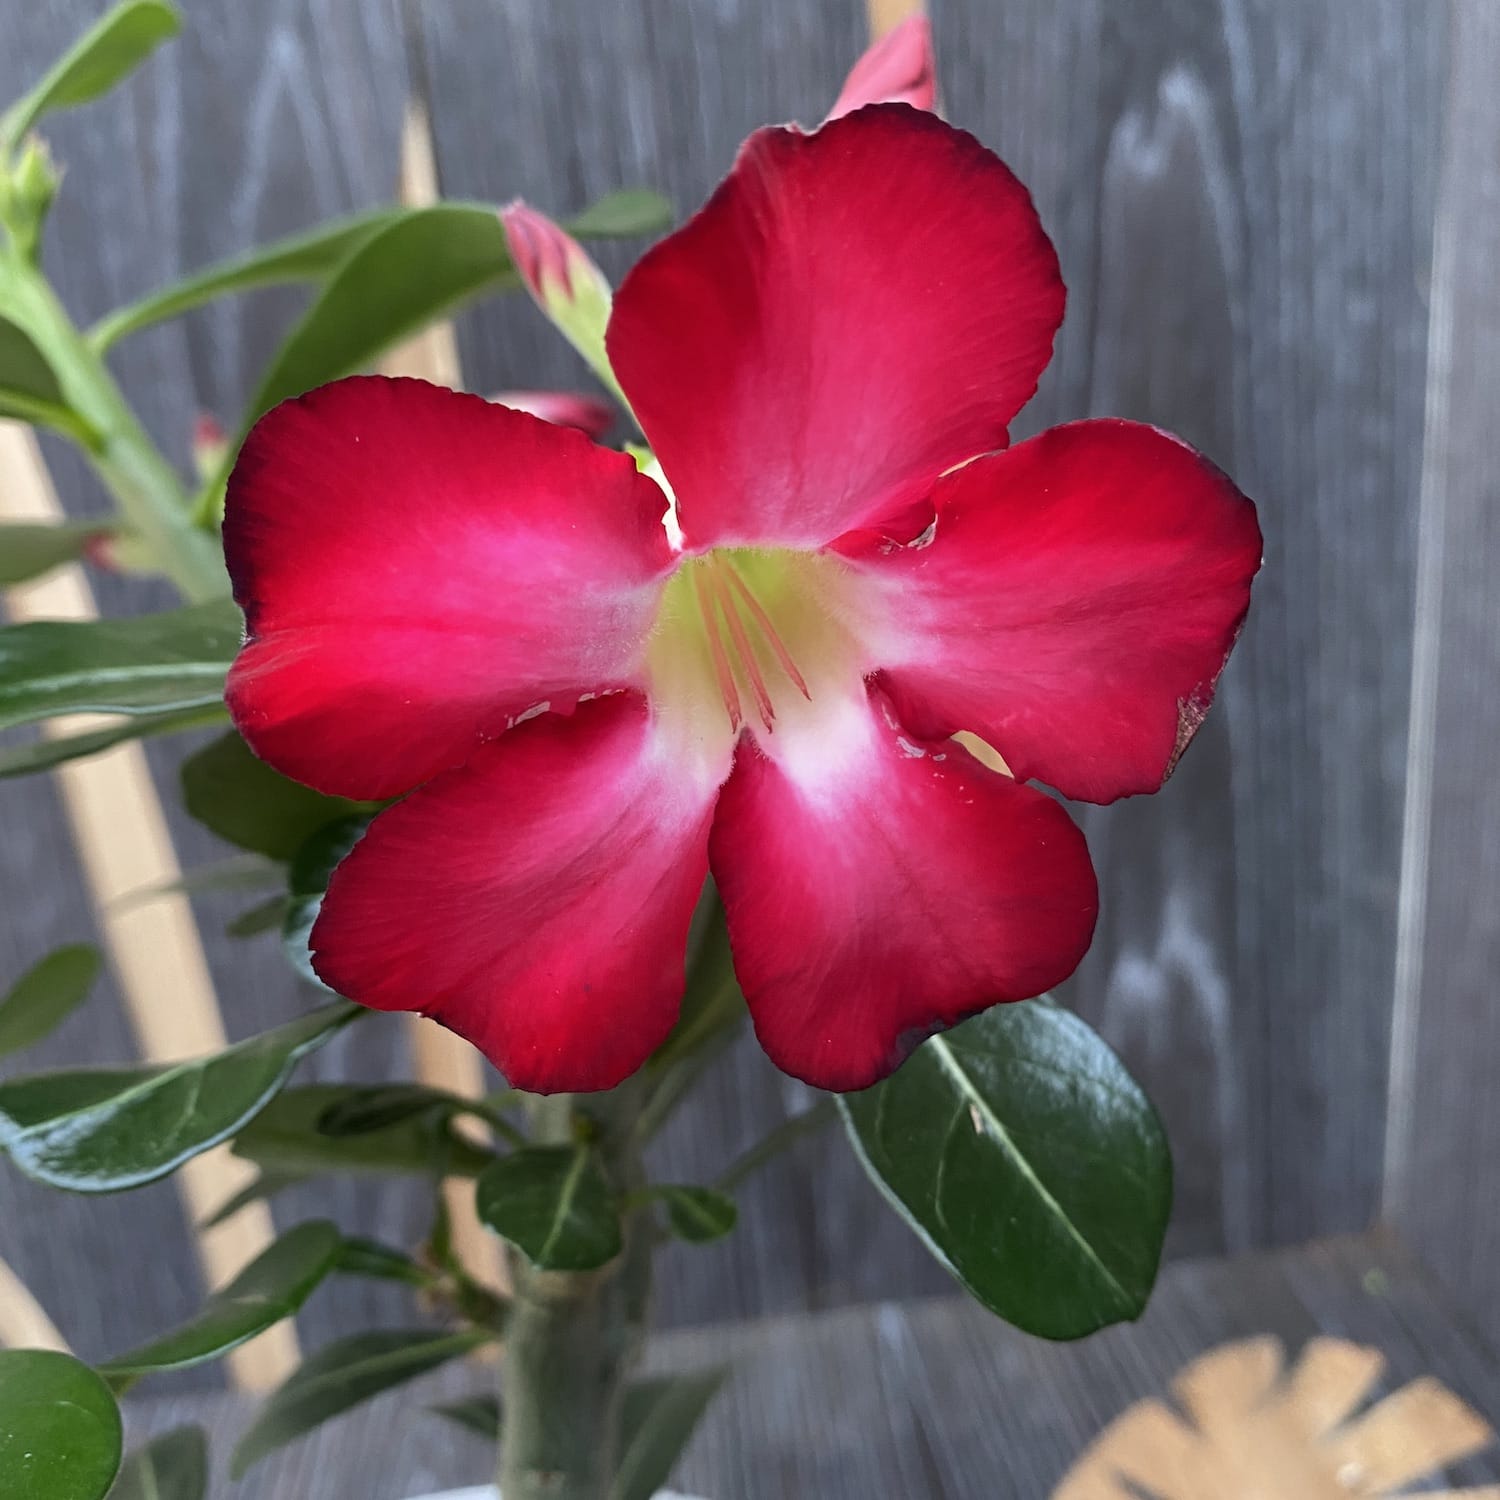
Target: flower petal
898 69
878 889
418 567
1075 606
535 901
853 312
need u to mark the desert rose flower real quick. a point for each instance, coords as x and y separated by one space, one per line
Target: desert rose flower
458 605
899 69
563 408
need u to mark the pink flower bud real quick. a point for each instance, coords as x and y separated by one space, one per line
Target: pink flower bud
563 408
565 283
898 69
209 444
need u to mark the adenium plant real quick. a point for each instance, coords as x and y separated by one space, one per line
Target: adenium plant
588 752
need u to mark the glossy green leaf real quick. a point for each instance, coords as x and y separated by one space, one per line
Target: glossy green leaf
286 1138
308 256
477 1414
307 880
362 1257
698 1214
236 795
264 916
45 752
171 1467
102 1130
341 1376
272 1287
553 1204
46 995
240 872
146 664
30 549
1029 1162
406 274
264 1185
110 50
623 214
657 1419
379 1106
59 1428
29 390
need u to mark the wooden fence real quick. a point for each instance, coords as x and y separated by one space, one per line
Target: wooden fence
1243 194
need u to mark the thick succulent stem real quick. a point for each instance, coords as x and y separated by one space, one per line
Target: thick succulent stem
573 1338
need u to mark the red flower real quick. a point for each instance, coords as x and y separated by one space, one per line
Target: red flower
455 603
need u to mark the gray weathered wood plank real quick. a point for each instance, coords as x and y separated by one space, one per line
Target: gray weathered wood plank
1445 1135
1241 193
930 1399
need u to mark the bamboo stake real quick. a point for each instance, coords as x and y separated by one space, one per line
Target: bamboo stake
123 847
442 1059
24 1323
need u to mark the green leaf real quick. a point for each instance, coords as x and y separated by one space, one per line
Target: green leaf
402 277
341 1376
29 390
272 1287
307 880
147 664
30 549
554 1205
477 1414
45 752
698 1215
110 50
240 872
285 1138
236 795
657 1419
1029 1162
59 1428
264 916
171 1467
103 1130
265 1185
623 214
362 1257
378 1106
308 256
46 995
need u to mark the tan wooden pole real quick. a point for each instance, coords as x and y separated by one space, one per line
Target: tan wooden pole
885 15
24 1323
442 1059
123 846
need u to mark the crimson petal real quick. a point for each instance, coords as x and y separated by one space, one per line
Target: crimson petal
853 312
1075 607
418 567
536 901
878 888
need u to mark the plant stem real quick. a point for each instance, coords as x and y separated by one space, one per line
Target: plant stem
144 485
572 1338
813 1119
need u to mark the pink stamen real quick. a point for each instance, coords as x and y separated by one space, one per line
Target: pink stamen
768 631
742 645
728 691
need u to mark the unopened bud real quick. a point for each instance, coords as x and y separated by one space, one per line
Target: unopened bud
26 193
898 69
210 444
563 281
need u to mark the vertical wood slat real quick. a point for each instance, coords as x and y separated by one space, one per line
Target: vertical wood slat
1240 192
440 1057
24 1323
124 848
1444 1141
